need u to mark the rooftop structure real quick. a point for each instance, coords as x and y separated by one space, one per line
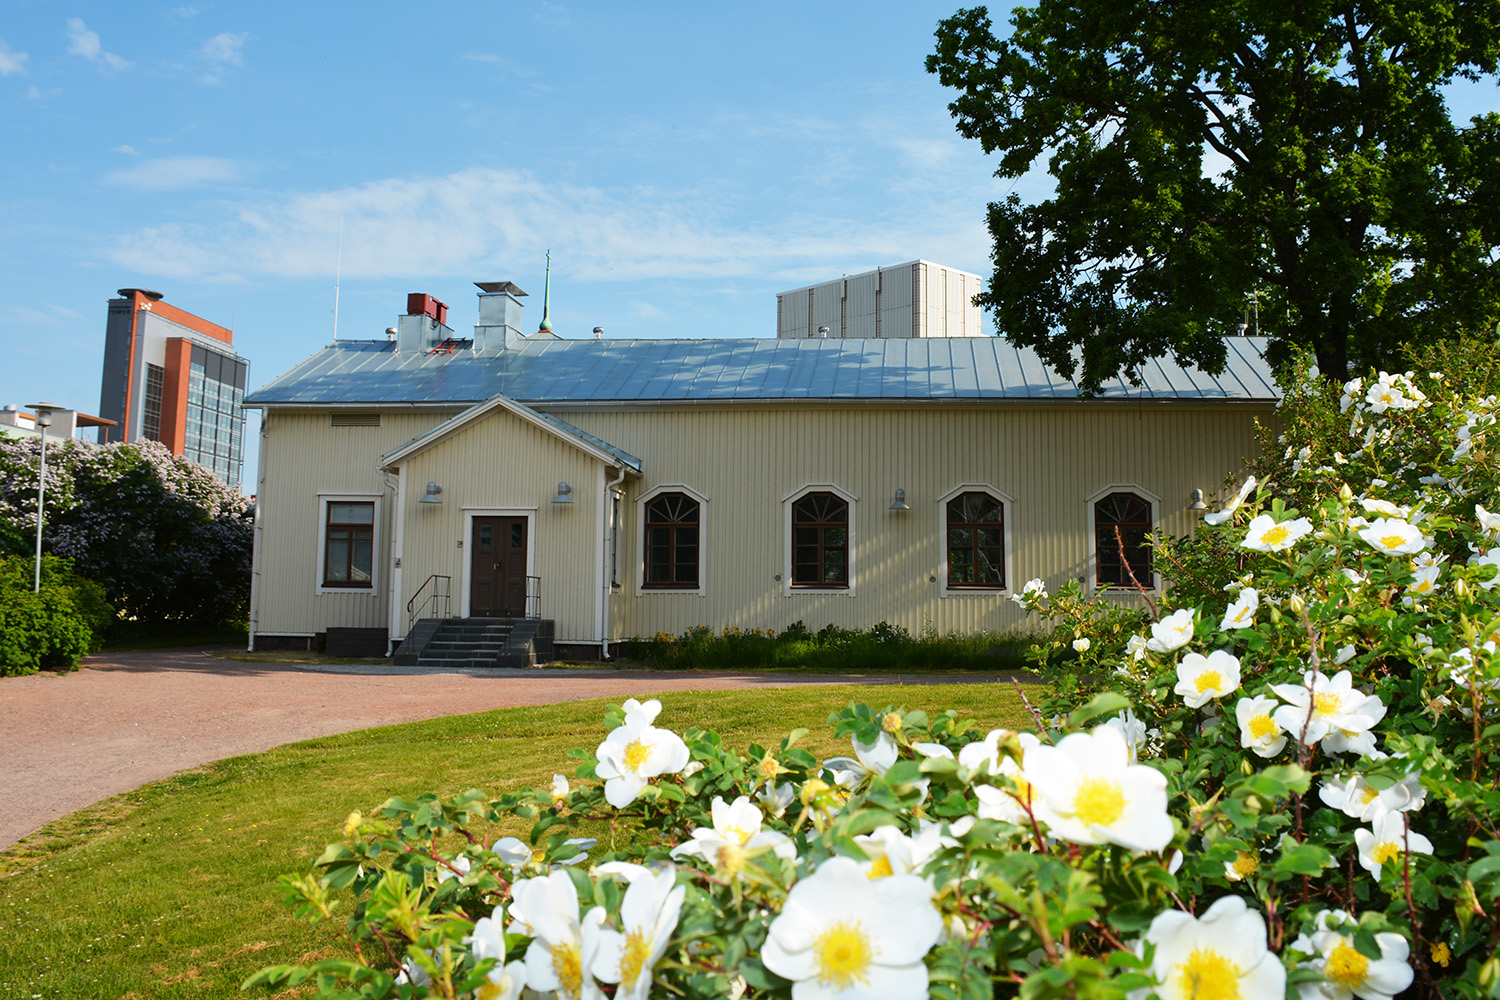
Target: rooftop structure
915 300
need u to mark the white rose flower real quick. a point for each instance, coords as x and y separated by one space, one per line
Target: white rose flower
1324 704
1087 791
1389 839
1172 632
648 915
843 934
1241 614
1348 972
561 954
1258 729
1352 796
1204 678
1223 954
735 837
1081 644
1265 534
488 941
1393 537
634 753
1220 516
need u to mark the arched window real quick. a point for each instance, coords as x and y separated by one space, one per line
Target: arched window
976 542
820 541
671 542
1122 522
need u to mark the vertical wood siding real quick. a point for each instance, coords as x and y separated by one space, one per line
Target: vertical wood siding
1047 458
307 457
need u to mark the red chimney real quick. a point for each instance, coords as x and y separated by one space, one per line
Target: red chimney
422 304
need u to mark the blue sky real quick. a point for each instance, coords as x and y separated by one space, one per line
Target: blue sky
683 162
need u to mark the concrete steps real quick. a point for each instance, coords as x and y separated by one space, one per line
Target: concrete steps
479 643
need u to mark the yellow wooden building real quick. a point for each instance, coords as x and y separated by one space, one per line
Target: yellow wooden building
594 490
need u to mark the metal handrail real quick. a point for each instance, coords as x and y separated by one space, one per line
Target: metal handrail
439 600
533 597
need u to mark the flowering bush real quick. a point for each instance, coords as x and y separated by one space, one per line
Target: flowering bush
1281 782
163 537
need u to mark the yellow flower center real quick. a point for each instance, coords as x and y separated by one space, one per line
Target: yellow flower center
843 954
1384 851
636 754
1440 953
891 723
734 833
1368 795
1263 727
1099 801
1346 966
1274 536
1327 703
1209 680
633 957
1241 615
881 867
730 858
1391 541
769 768
567 965
539 855
1207 975
1246 863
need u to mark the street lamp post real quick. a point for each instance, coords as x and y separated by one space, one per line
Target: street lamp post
43 420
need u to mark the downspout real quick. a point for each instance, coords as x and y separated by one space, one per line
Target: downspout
607 506
398 539
257 530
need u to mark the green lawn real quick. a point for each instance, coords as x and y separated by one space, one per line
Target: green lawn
168 891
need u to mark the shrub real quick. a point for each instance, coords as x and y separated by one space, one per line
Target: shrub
165 539
52 627
1283 781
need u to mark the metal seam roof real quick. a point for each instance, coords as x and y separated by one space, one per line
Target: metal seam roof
669 371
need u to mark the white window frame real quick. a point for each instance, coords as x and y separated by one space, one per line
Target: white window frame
1092 580
1008 506
640 542
787 502
376 553
469 513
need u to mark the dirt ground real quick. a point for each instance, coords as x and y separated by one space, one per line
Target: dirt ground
121 720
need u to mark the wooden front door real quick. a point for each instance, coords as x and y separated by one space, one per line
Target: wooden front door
497 567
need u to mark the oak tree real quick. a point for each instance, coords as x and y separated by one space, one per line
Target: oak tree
1282 165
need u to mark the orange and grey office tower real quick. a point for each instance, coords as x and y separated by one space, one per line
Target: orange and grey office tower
173 377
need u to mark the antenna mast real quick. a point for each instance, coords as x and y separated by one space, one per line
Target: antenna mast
338 273
546 326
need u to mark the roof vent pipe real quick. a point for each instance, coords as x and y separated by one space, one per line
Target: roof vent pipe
822 333
598 333
390 333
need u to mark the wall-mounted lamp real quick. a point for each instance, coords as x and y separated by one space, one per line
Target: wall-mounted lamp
433 494
1197 503
564 493
900 502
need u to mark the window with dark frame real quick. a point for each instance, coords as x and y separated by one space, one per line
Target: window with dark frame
349 549
671 555
1122 544
820 541
976 542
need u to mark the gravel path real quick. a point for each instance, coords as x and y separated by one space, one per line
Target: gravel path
121 720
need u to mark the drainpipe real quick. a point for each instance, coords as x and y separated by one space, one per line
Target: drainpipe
606 512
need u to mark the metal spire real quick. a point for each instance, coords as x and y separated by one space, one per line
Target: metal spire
546 326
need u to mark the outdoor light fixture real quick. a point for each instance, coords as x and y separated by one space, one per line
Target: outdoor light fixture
564 493
1197 503
43 419
433 494
900 502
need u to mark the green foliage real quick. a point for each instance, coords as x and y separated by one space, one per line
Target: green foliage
1288 769
1292 168
50 628
165 539
882 647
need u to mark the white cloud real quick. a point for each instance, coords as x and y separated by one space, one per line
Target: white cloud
127 150
225 49
83 42
174 173
475 220
11 62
